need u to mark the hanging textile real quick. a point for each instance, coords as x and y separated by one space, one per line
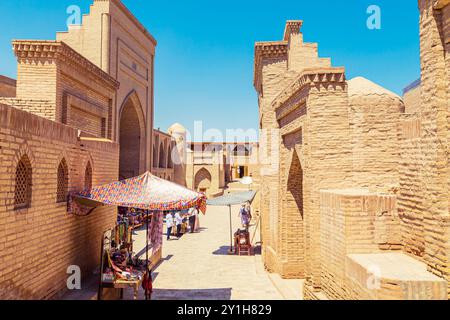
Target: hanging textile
155 231
78 208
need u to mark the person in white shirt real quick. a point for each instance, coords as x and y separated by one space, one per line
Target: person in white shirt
169 224
179 223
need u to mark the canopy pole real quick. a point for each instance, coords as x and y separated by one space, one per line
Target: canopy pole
146 257
231 233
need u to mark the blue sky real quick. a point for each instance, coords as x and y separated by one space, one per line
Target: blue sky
204 62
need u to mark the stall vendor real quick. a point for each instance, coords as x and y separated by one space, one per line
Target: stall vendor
179 223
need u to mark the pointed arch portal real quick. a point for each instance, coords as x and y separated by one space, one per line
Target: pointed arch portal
131 138
203 180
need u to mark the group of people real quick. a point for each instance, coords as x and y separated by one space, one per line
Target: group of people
178 218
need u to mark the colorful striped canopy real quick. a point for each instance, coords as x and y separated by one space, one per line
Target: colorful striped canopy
146 192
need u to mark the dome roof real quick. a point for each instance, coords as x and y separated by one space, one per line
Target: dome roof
176 127
360 86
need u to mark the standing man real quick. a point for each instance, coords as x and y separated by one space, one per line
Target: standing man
178 222
169 224
193 212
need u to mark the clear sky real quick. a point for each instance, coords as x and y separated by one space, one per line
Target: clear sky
204 62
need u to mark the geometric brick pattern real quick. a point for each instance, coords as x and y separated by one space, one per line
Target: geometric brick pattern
22 193
62 185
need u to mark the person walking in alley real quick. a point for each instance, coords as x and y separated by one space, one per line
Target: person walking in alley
245 216
179 223
169 224
248 208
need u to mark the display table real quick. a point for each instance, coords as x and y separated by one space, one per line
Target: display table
117 278
123 284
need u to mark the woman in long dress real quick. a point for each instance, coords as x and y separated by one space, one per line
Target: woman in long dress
197 221
194 220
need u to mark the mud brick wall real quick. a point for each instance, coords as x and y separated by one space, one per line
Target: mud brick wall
410 196
291 236
7 87
328 163
375 154
434 146
412 99
39 243
275 78
353 221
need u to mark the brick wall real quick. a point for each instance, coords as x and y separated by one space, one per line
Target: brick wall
353 221
115 41
274 79
412 99
7 87
291 237
38 78
43 108
434 172
328 164
64 86
374 114
39 243
410 197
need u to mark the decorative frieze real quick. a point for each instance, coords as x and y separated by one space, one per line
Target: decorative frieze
309 78
267 50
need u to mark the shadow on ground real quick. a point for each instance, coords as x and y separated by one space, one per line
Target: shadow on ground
192 294
222 251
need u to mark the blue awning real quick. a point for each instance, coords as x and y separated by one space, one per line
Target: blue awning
232 199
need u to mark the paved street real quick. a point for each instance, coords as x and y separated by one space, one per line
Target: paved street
197 266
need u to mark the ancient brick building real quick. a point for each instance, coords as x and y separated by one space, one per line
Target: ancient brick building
356 188
164 148
215 167
62 128
115 41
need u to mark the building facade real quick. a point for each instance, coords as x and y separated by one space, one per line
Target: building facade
116 42
214 168
359 189
211 168
63 128
164 148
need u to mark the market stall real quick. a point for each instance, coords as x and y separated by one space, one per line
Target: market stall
147 193
241 237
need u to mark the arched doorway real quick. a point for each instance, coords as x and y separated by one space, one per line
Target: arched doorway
169 158
292 220
155 157
202 180
294 196
131 138
162 156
